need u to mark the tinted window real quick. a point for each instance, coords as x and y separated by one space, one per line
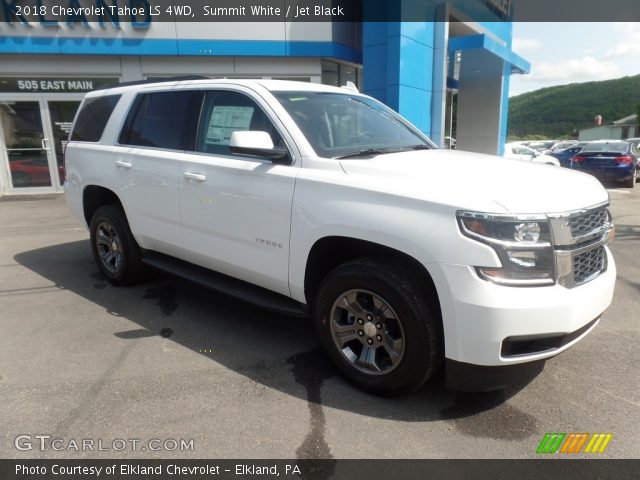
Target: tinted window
226 112
158 120
93 118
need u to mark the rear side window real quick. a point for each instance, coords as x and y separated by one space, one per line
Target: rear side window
93 118
158 120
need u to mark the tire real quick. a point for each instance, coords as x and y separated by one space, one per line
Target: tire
374 283
115 251
631 183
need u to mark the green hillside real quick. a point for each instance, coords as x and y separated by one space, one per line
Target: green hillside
561 111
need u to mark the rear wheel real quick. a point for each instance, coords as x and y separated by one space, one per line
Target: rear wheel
115 251
631 183
378 327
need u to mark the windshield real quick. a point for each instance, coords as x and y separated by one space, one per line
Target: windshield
340 125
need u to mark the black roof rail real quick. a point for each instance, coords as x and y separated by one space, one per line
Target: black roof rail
143 82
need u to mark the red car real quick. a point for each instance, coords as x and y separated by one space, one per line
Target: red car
32 172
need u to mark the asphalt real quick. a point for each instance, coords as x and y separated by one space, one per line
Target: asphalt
80 359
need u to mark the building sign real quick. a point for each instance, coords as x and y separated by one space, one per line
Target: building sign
52 13
53 85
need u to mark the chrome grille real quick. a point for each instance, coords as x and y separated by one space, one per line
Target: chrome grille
579 244
587 222
588 264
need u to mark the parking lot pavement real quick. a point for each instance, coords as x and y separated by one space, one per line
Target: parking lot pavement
169 360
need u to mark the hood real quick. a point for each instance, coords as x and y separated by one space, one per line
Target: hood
476 181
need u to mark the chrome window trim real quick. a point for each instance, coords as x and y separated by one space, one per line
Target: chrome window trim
506 217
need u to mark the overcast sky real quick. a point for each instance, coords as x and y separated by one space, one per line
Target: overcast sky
562 53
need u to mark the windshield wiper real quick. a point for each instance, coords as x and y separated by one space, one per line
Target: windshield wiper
421 146
380 151
362 153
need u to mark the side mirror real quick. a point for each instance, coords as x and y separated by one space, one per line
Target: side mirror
258 144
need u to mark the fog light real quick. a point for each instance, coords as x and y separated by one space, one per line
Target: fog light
524 259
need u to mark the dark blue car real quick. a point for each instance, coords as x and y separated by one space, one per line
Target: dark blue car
565 155
609 160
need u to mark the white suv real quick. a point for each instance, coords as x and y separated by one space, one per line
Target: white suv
320 201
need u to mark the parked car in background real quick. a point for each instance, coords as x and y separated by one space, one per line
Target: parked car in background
31 170
565 155
615 160
543 145
564 144
517 151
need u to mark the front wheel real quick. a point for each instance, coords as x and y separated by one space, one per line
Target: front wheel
115 251
378 327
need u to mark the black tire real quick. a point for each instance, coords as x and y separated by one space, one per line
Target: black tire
129 268
419 322
631 183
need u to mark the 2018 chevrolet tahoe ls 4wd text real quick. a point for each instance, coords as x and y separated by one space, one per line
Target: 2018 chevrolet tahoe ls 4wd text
320 201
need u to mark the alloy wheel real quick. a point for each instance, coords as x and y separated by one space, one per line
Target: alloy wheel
367 332
109 247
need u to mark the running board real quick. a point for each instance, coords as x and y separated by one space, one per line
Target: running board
224 284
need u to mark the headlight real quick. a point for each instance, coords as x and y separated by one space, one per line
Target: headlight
522 243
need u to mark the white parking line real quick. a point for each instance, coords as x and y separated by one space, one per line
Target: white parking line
616 190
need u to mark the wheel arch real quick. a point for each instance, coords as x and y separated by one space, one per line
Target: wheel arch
331 251
94 197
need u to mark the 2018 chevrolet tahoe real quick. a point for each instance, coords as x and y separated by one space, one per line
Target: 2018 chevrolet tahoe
320 201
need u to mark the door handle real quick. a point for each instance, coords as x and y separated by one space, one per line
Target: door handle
43 144
123 164
198 177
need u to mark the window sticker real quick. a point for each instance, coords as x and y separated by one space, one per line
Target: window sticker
225 120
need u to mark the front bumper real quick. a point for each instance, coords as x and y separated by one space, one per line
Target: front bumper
466 377
480 317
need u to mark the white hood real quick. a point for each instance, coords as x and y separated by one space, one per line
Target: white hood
474 181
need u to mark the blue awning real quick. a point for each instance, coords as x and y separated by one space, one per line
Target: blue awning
483 42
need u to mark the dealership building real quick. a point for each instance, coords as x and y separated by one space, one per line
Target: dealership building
420 69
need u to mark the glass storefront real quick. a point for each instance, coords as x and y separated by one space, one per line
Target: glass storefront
61 114
36 115
338 74
25 144
34 134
